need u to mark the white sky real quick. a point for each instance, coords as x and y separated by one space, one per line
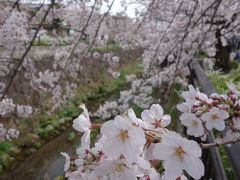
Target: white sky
115 8
118 8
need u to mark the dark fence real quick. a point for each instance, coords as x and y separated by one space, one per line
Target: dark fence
214 168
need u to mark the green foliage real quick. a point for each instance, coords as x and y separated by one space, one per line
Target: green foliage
37 145
60 177
94 134
44 41
138 110
110 41
1 168
226 163
6 150
48 41
71 136
111 47
5 145
234 64
171 105
220 79
200 54
5 159
131 68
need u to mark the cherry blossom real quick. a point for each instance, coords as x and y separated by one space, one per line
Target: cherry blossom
179 154
154 117
191 94
24 110
115 169
233 89
185 107
122 139
236 122
67 161
144 170
82 122
2 132
8 134
215 119
134 118
194 124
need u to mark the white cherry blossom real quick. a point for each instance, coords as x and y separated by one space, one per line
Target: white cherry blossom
215 119
145 171
67 161
236 122
115 170
82 122
134 118
154 117
122 138
194 124
190 94
186 106
179 154
233 89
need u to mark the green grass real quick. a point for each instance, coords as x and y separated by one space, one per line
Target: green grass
48 41
201 54
220 79
107 48
226 163
44 41
7 151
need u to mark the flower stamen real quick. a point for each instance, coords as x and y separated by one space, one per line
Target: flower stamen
120 168
123 135
179 152
214 117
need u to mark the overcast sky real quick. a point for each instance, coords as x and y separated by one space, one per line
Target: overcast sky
118 8
115 8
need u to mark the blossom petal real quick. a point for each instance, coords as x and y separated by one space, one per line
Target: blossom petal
166 120
193 166
220 125
147 116
158 111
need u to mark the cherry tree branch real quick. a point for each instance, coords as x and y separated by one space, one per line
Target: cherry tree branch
216 144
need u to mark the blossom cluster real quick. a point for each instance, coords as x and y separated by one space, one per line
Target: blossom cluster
201 114
24 111
131 148
8 134
7 107
13 32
